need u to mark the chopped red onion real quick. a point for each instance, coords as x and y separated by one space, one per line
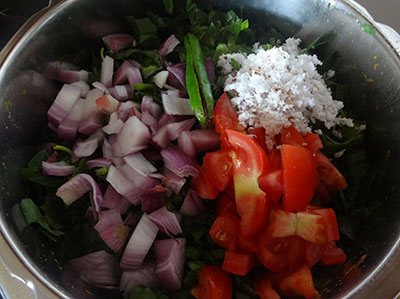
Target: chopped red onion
173 181
118 41
107 104
145 276
100 86
139 244
112 229
92 119
131 219
150 122
186 144
125 109
168 45
153 201
65 100
97 268
150 106
121 92
178 71
70 124
170 254
133 137
113 200
166 221
210 70
175 105
121 75
205 140
88 147
192 204
64 72
152 153
134 76
58 168
114 126
178 162
79 185
140 164
98 162
175 129
160 79
166 119
83 86
107 70
120 183
161 138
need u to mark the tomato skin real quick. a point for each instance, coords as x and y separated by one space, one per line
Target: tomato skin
271 184
225 204
313 252
214 283
264 289
202 185
333 255
259 136
329 221
238 263
274 159
249 162
290 135
298 283
219 168
224 230
299 176
313 142
247 244
328 174
225 118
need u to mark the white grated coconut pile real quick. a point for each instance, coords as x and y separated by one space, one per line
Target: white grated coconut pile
278 88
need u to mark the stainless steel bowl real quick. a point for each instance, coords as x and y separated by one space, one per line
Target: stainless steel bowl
70 30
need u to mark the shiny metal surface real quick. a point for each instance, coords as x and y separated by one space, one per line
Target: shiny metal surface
71 30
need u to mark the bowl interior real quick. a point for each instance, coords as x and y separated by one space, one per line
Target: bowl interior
72 32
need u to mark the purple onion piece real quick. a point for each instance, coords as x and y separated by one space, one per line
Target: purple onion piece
168 45
150 122
166 221
178 162
118 41
114 126
161 138
205 140
98 162
175 129
173 181
150 106
139 244
140 164
178 71
113 200
64 72
170 262
79 185
97 268
145 276
65 100
186 144
58 168
125 109
83 86
175 105
88 147
70 124
192 204
107 70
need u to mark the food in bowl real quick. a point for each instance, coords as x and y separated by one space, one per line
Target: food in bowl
258 147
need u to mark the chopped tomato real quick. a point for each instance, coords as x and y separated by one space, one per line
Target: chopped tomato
313 252
290 135
264 289
259 136
279 254
323 194
225 204
107 104
226 118
333 255
219 168
214 283
224 230
202 185
271 184
281 223
313 142
238 263
247 244
328 174
298 283
299 177
274 159
329 221
249 162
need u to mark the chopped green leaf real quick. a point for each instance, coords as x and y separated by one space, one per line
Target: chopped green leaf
169 6
369 29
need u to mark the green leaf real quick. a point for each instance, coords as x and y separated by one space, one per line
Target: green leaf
36 161
101 172
149 70
369 29
319 41
32 214
169 6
